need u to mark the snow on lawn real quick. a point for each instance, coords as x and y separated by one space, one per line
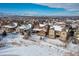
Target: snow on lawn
73 47
30 50
56 42
16 45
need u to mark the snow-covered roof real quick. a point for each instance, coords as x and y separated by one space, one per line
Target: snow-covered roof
57 27
60 23
38 29
42 25
74 25
15 24
11 26
25 27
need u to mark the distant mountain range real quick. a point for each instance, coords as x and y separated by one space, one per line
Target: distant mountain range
6 15
12 16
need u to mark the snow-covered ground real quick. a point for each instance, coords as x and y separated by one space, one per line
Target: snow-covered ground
15 45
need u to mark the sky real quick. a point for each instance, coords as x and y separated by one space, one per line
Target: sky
40 9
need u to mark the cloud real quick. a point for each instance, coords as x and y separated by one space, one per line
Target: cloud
67 6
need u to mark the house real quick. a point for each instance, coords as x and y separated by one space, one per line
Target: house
25 30
59 32
10 27
41 30
35 24
51 33
76 35
64 35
